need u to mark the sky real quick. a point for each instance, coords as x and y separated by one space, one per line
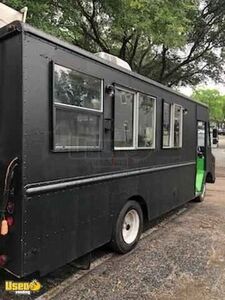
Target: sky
209 85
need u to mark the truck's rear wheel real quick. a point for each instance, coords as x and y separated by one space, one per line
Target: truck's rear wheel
128 227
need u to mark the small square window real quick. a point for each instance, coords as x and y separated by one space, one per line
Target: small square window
78 103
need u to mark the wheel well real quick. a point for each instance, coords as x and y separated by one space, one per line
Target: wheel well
143 205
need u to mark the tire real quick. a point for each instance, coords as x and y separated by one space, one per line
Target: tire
128 228
201 197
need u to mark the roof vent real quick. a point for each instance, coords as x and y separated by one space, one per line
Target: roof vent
8 15
114 60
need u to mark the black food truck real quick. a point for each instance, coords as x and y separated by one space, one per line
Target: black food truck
89 152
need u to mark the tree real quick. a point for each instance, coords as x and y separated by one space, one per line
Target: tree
175 42
214 100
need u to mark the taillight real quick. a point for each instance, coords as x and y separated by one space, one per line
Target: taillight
4 229
3 260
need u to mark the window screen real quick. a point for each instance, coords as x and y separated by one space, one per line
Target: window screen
76 128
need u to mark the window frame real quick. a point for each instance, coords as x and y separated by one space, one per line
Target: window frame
172 120
135 120
75 108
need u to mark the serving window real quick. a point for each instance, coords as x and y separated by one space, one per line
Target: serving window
134 119
146 121
124 119
167 125
172 127
177 126
78 110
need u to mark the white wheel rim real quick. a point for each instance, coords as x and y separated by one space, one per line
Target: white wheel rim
131 226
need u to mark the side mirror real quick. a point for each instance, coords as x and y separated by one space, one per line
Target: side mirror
215 141
200 155
215 133
200 152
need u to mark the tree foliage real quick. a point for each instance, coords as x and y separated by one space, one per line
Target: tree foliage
175 42
214 100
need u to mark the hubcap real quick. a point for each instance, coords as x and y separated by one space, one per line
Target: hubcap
131 225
